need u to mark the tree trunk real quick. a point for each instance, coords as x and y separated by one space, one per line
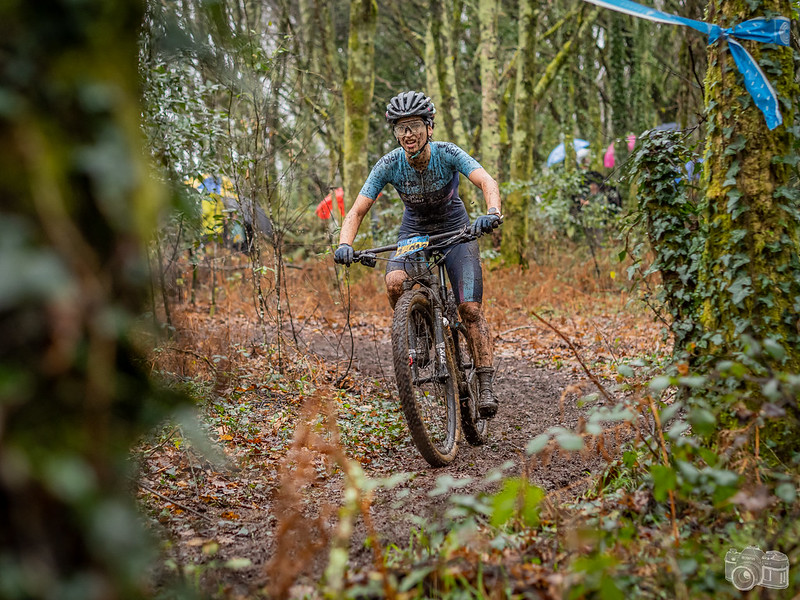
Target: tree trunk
332 70
514 239
617 67
749 275
77 204
490 102
358 88
441 72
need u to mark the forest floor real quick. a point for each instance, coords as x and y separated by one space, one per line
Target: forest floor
247 494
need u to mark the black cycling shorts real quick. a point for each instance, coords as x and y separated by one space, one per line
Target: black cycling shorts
463 265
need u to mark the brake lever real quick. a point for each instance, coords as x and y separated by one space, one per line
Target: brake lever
367 259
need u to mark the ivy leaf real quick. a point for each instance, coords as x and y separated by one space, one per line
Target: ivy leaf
734 196
625 370
736 146
689 472
664 480
774 349
537 444
695 381
740 289
445 483
570 441
786 492
702 420
730 176
723 477
660 383
670 411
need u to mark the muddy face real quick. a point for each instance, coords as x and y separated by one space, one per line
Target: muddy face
411 142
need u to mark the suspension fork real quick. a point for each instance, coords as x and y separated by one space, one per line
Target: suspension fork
438 328
439 291
456 328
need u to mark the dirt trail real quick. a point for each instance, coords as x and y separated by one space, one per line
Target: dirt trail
239 521
532 399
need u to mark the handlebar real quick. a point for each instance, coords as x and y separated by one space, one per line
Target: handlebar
457 236
368 257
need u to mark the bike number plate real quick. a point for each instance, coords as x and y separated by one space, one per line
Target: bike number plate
411 245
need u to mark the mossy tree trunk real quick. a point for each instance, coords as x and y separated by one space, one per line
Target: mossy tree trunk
323 36
514 239
441 50
440 59
358 89
750 258
77 205
750 280
514 231
490 100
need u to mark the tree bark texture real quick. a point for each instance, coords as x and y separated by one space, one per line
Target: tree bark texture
749 276
490 101
440 51
514 239
77 203
358 89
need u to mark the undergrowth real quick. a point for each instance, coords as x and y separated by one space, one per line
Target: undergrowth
656 523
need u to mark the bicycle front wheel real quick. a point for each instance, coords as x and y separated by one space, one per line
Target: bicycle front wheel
425 379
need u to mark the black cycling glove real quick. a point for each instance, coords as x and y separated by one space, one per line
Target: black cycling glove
485 224
343 254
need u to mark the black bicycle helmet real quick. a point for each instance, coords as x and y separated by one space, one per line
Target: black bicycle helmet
410 104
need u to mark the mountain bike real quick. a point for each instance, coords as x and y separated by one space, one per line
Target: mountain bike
433 364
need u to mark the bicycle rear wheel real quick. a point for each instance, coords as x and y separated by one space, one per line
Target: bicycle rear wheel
476 430
425 380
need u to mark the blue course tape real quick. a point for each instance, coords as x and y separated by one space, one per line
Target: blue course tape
772 31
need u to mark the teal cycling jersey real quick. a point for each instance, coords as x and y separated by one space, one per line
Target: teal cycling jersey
431 196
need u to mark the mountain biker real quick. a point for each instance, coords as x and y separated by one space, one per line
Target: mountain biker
425 174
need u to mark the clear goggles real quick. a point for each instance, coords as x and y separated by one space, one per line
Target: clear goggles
413 127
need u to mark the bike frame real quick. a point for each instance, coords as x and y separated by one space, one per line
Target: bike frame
436 286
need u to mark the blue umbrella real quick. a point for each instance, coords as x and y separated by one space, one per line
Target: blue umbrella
666 127
557 154
692 170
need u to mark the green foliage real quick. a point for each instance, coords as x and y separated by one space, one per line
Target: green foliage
560 203
75 391
668 209
374 430
519 499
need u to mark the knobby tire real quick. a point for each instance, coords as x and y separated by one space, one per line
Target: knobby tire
431 409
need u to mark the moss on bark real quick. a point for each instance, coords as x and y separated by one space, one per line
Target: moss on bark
357 91
749 281
750 260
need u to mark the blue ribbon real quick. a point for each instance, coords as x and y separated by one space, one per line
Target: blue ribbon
773 31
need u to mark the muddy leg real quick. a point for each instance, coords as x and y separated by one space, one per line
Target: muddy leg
394 286
478 332
481 342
